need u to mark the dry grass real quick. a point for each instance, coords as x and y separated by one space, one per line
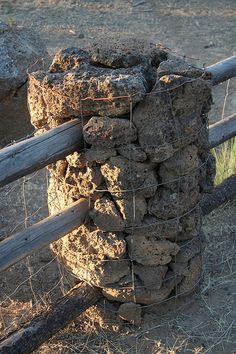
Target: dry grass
225 156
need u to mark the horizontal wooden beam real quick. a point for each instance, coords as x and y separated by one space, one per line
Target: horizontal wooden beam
221 131
34 153
43 327
223 70
18 246
220 195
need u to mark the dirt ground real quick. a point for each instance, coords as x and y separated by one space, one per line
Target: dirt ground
204 32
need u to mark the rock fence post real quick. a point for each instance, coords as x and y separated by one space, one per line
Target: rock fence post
144 168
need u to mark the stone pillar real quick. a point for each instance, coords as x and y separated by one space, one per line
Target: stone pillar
144 167
19 50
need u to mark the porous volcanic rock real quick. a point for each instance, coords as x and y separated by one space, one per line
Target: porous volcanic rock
124 177
105 132
173 110
150 251
106 216
130 312
83 91
132 210
144 168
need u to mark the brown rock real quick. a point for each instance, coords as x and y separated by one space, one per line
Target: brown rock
167 204
83 92
106 216
176 66
131 312
69 58
152 277
87 182
170 117
95 256
132 210
58 169
105 132
77 159
150 251
140 294
132 152
192 277
124 177
99 155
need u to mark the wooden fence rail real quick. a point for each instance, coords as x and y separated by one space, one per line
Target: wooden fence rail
223 70
34 153
18 246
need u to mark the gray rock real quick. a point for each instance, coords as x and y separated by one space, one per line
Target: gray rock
135 291
167 204
99 155
150 251
152 277
106 216
132 210
84 91
105 132
130 312
176 66
132 152
171 116
126 52
124 177
181 171
19 50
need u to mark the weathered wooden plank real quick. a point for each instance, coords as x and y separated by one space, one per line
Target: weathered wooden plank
222 131
223 70
22 244
34 153
43 327
221 194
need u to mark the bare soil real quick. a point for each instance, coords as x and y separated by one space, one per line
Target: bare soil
204 32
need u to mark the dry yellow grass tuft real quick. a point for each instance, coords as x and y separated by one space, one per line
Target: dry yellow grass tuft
225 156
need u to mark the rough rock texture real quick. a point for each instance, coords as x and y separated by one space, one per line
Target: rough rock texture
144 168
151 251
19 50
106 216
130 312
105 132
174 112
83 92
132 209
124 177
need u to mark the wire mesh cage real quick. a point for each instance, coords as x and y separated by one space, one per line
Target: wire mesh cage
144 167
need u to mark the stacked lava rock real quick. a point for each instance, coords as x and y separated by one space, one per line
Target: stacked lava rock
144 167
